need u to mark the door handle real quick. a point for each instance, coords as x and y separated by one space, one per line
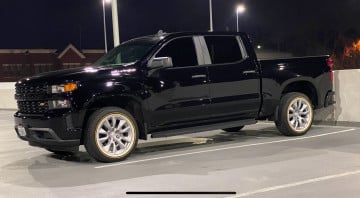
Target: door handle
198 76
249 72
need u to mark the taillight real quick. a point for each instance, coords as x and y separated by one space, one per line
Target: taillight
330 63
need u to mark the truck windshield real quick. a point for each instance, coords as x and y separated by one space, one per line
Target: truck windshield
128 52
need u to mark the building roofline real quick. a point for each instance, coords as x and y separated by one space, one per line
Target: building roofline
71 46
31 51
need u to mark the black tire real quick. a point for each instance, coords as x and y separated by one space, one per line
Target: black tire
288 120
234 129
97 122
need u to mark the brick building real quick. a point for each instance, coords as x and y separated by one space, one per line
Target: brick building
19 63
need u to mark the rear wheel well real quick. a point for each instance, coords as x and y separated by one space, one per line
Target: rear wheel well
126 103
304 87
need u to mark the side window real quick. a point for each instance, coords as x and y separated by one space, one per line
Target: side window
223 49
182 51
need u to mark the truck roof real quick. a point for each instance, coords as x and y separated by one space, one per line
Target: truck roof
162 35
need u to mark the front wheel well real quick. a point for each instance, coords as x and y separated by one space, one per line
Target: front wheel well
126 103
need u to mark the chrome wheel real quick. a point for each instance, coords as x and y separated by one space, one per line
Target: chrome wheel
295 114
299 114
115 135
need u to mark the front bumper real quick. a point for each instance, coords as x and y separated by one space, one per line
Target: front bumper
50 132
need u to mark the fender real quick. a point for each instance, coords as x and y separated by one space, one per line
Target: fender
313 91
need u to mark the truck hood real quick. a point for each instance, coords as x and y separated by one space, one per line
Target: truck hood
79 74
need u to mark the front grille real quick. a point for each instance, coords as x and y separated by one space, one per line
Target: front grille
32 99
33 107
28 92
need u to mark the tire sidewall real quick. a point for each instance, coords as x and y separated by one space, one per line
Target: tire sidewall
309 124
283 121
91 142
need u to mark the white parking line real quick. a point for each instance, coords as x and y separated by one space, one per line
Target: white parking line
226 148
317 125
299 183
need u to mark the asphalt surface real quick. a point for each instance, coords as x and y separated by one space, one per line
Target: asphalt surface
257 162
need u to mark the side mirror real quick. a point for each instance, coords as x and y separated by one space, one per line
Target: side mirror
161 62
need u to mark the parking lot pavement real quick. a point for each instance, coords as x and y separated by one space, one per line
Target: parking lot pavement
257 162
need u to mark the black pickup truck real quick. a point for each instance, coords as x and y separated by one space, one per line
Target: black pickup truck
169 84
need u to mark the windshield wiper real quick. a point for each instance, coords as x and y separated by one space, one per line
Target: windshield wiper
121 64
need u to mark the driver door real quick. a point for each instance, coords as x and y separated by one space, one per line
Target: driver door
179 95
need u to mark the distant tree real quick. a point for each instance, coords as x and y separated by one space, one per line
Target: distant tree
347 50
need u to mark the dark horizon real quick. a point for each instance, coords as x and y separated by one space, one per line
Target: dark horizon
277 24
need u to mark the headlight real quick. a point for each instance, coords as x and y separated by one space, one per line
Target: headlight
59 104
69 87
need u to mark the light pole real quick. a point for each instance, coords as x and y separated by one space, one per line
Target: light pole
104 16
239 9
211 16
115 20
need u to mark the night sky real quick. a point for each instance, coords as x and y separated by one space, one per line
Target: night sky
55 23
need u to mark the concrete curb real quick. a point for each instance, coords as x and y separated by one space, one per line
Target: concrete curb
337 123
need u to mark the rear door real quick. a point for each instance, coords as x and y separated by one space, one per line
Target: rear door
234 80
179 95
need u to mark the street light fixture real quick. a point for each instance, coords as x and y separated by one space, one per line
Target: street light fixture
239 10
104 17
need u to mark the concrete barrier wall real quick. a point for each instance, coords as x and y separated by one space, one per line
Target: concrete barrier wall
7 92
346 85
347 88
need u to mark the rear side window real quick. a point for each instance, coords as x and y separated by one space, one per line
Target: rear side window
223 49
182 51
